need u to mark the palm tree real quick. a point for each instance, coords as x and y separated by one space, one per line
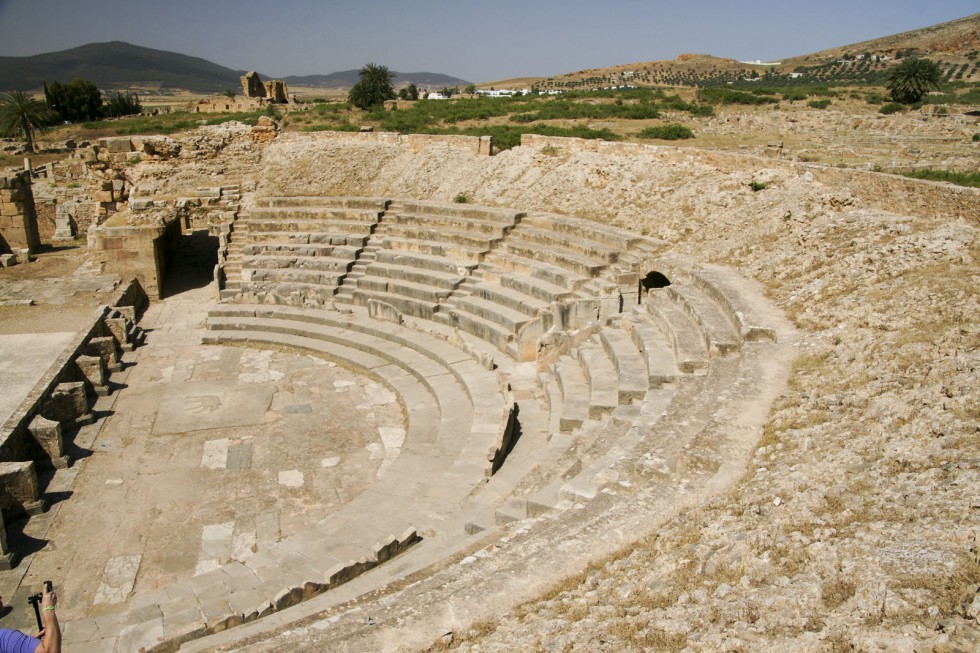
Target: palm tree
911 79
21 114
373 87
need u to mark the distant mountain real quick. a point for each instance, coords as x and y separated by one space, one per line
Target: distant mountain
122 65
117 65
347 78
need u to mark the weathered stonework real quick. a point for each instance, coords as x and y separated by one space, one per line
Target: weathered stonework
142 251
18 217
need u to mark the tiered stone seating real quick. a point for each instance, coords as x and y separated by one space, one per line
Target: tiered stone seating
299 249
421 252
639 399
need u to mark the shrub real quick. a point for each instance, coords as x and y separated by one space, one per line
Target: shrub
721 95
822 103
890 108
959 178
756 185
667 132
462 198
976 138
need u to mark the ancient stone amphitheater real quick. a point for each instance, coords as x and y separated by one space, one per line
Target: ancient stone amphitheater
596 368
557 374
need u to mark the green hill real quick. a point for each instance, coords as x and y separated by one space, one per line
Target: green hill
117 65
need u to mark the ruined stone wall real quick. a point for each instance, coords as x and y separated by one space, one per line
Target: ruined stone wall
18 217
275 90
141 251
62 396
252 85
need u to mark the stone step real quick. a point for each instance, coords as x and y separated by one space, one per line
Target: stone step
460 254
487 330
653 345
410 306
424 261
549 238
634 378
266 277
320 225
574 392
601 377
510 319
292 292
721 336
684 334
370 203
299 249
321 263
303 238
561 258
437 278
508 261
539 289
490 214
454 223
585 230
623 445
378 286
471 240
506 297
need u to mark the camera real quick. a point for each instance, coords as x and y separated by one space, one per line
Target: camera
35 601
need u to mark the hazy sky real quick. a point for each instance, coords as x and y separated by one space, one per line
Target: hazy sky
476 40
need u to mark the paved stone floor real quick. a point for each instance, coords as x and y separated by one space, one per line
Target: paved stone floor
201 455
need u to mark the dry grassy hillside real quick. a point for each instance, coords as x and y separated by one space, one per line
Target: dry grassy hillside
856 525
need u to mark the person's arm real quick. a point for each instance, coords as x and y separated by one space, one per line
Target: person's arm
51 642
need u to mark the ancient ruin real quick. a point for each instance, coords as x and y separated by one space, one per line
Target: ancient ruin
337 405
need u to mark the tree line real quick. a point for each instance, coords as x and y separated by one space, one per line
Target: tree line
76 101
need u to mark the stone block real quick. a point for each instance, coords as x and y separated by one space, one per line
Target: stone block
122 331
116 145
94 369
18 487
105 347
67 405
48 434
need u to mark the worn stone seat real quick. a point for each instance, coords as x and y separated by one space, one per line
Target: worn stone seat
681 330
631 369
401 234
321 263
300 249
600 375
584 231
505 259
370 203
583 250
560 257
483 213
457 252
